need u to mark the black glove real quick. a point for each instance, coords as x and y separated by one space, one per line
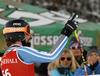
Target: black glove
70 26
92 67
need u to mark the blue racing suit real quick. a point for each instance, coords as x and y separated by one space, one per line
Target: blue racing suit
30 55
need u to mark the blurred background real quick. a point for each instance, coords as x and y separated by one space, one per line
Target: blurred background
89 9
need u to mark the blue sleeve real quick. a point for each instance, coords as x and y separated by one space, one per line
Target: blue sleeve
30 55
81 71
97 69
54 73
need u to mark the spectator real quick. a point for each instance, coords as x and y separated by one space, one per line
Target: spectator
74 47
93 65
65 65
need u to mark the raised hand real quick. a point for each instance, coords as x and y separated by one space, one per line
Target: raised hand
70 26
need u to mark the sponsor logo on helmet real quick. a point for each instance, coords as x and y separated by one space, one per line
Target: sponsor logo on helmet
16 24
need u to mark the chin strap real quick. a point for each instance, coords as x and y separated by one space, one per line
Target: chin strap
22 39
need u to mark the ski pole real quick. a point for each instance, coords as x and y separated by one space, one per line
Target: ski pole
73 18
81 52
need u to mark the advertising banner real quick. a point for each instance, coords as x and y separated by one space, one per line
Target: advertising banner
45 25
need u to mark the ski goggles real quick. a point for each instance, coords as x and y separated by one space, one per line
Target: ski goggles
76 47
63 58
17 29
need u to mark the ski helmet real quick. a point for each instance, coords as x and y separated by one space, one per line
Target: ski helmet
16 29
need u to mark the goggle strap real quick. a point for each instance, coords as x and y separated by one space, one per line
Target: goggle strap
17 29
10 30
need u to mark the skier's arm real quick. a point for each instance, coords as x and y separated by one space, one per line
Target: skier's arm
30 55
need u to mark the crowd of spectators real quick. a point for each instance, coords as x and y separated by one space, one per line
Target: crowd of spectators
70 62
